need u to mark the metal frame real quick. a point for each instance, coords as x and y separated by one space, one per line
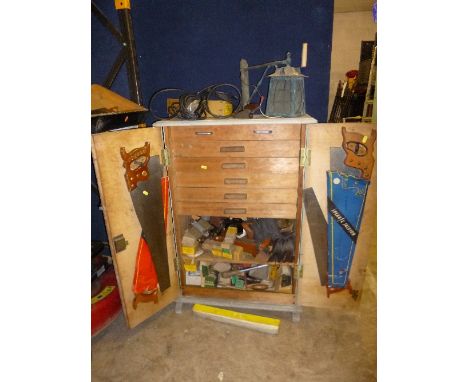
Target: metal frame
244 75
127 53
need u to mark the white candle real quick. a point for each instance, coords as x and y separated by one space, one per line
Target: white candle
304 55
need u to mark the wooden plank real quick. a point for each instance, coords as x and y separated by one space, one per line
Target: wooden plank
241 210
264 297
321 137
247 195
245 320
235 149
237 132
120 217
103 99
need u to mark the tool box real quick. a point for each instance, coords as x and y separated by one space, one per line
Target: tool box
225 168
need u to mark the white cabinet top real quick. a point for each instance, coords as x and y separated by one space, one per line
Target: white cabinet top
236 121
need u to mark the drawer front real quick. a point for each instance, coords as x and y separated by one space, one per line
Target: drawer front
236 195
227 165
243 210
240 132
236 178
236 149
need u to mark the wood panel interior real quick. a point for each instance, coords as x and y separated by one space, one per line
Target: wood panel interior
320 138
120 217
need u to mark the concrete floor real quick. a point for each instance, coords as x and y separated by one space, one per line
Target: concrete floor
325 346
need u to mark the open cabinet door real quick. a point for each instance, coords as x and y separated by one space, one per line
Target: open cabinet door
124 216
325 142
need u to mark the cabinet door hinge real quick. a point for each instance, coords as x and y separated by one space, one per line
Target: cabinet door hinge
305 157
176 264
299 271
120 243
165 157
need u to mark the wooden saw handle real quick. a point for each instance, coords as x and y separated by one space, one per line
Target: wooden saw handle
135 163
359 151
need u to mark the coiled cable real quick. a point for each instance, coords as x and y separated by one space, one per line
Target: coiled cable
193 105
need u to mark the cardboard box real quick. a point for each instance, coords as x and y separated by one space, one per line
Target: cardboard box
193 278
189 250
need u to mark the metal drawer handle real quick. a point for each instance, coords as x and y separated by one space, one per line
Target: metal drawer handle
232 149
228 211
235 181
233 165
234 195
203 133
263 131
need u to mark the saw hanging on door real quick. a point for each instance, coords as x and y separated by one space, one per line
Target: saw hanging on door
143 176
346 196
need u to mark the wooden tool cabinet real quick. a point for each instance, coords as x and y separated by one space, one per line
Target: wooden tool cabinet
222 167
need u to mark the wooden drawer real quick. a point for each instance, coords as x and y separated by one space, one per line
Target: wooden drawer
236 178
236 195
228 165
243 210
239 132
235 149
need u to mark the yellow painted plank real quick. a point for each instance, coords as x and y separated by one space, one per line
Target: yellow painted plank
252 321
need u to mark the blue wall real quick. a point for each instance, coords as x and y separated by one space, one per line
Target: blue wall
192 44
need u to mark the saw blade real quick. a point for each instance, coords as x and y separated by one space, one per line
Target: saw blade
148 205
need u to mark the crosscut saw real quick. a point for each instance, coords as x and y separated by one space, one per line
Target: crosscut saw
347 184
143 177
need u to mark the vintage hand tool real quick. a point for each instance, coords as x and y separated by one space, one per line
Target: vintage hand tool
238 271
359 151
143 177
318 231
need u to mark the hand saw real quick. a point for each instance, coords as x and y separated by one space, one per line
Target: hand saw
143 177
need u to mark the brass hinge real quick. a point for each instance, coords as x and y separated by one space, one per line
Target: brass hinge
177 266
119 243
165 157
299 271
305 157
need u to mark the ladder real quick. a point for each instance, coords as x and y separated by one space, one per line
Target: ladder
369 112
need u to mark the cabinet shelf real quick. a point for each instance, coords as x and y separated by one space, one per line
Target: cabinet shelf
206 256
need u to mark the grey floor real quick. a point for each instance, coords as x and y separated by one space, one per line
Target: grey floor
325 346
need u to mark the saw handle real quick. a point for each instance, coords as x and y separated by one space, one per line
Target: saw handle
135 163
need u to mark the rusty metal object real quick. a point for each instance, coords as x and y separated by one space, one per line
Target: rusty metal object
136 165
359 151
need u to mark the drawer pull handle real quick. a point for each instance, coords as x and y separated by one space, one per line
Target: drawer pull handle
235 181
263 131
203 133
228 211
232 165
237 196
232 149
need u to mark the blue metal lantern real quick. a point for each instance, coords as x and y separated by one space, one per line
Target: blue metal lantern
286 96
